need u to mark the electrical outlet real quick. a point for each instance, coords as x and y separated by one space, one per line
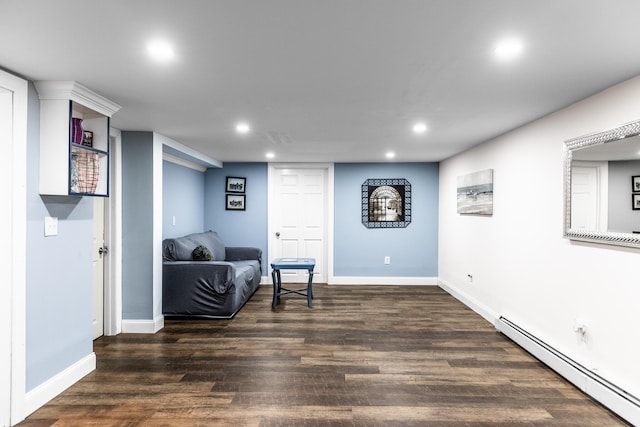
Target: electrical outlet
581 330
387 260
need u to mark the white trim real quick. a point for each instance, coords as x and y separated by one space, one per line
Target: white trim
6 254
17 241
49 389
176 149
157 227
142 326
469 301
329 197
113 222
330 219
391 281
76 92
183 162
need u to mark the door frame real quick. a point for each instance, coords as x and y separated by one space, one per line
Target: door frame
113 239
16 163
328 215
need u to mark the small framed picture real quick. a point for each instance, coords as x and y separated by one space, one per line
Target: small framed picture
635 183
236 202
236 184
87 138
636 201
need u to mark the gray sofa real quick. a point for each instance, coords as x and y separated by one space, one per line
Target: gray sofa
213 289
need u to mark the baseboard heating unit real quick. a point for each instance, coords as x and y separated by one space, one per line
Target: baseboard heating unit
608 394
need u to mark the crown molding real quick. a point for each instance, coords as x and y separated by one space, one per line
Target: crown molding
74 91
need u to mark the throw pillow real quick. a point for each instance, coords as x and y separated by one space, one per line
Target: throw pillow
201 253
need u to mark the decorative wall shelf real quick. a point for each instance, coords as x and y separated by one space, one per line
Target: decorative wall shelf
73 161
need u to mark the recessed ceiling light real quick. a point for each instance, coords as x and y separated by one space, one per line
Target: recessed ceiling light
160 50
243 127
270 155
390 155
509 48
419 127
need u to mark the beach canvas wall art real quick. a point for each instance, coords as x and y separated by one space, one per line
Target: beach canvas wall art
475 193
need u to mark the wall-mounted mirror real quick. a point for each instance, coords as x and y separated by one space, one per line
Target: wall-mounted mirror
602 197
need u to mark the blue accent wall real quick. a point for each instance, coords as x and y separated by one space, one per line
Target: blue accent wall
360 251
59 278
238 228
137 225
182 198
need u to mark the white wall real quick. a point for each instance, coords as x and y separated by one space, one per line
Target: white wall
522 267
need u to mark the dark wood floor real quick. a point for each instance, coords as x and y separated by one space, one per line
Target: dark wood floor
363 356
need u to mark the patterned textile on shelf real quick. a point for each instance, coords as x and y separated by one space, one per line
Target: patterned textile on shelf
85 172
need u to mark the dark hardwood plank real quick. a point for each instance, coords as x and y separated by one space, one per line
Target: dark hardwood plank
363 356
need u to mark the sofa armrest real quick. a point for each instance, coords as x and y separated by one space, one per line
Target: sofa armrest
242 253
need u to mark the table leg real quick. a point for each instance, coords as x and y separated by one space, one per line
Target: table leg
310 289
275 277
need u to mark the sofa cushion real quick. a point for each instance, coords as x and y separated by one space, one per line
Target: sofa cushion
182 248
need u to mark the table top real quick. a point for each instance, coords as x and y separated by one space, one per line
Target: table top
301 263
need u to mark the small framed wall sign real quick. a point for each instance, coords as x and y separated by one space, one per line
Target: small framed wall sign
636 201
236 202
236 184
87 138
635 184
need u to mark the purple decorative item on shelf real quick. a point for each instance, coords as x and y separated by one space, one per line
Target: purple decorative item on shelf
77 132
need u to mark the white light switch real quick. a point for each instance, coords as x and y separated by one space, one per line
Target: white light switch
50 226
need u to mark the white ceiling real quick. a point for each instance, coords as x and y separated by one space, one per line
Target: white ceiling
326 80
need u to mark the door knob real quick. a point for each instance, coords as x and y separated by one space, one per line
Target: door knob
103 250
277 234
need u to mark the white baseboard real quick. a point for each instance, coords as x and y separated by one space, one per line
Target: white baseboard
349 280
401 281
602 390
610 395
46 391
142 326
469 301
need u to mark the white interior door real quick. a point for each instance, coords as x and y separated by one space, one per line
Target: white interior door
298 204
6 120
589 196
98 267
